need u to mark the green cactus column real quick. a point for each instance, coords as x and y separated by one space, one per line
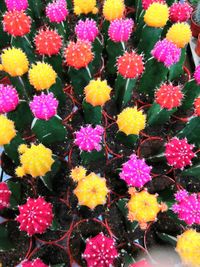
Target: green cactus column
191 91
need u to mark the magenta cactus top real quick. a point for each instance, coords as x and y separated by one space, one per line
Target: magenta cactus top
100 251
18 5
166 52
86 30
197 75
187 207
9 99
5 194
34 263
135 172
35 216
180 12
179 153
57 11
89 138
120 30
44 106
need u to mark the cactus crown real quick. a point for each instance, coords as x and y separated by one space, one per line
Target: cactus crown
89 138
86 30
130 65
180 12
48 42
197 14
156 15
14 61
131 121
44 106
179 153
166 52
79 54
97 92
41 76
91 191
188 245
16 23
36 160
135 172
57 11
7 130
187 207
78 173
113 9
169 96
100 251
16 5
85 7
197 75
8 98
120 30
35 216
147 3
5 194
34 263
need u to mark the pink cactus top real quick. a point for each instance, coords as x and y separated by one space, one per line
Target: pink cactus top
57 11
5 194
120 30
86 30
18 5
180 12
9 99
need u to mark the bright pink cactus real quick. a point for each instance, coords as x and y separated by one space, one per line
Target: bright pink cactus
100 251
44 106
89 138
142 263
5 194
120 30
188 207
57 11
8 98
147 3
35 263
135 172
197 75
86 30
18 5
166 52
35 216
180 12
179 153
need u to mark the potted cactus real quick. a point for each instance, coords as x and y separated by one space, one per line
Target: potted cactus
195 21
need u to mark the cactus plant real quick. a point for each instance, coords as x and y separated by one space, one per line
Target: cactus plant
180 12
80 7
4 195
16 5
34 263
9 99
57 11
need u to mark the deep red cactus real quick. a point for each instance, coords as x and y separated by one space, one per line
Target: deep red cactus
100 251
35 263
169 96
35 216
130 65
180 12
48 42
197 106
16 23
179 153
5 194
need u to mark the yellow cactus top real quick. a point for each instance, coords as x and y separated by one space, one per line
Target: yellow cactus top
143 207
78 173
14 62
7 130
97 92
131 121
180 34
42 76
188 248
85 7
157 15
91 191
36 160
113 9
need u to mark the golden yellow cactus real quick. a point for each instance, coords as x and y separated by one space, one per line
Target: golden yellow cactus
113 9
179 34
91 191
35 161
157 15
42 76
97 92
143 207
188 248
78 173
7 130
14 62
131 121
85 7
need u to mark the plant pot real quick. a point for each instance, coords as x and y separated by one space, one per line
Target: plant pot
51 255
195 28
197 48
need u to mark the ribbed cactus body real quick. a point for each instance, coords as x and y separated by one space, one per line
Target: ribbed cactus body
156 15
120 30
86 30
8 98
57 11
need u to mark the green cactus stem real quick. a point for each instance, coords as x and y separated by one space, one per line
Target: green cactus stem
49 132
57 90
89 157
127 140
176 70
92 115
97 48
123 90
11 150
191 91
